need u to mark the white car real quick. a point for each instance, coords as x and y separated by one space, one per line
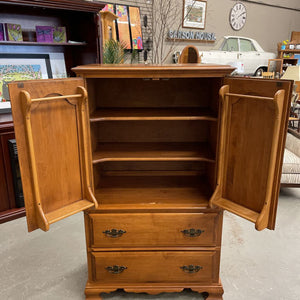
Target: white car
245 54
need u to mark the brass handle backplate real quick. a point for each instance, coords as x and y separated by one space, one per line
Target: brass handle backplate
115 269
114 233
191 268
192 232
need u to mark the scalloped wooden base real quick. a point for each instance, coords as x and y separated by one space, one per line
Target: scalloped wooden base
214 291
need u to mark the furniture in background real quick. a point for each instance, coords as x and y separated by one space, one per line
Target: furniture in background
290 176
9 208
156 155
16 174
82 22
290 53
108 26
268 75
293 73
189 55
275 65
80 18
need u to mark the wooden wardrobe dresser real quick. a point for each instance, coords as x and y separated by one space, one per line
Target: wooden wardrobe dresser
153 155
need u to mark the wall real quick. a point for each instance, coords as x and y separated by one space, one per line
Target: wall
145 8
267 24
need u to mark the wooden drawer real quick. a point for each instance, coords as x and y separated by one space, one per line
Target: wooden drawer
155 229
158 266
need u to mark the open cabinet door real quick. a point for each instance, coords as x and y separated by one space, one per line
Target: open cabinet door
50 121
253 130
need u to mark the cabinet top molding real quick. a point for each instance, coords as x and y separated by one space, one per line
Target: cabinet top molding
78 5
152 71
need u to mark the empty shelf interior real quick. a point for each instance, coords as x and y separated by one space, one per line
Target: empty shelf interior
152 151
166 113
153 187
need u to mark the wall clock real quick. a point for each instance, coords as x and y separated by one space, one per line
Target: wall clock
238 15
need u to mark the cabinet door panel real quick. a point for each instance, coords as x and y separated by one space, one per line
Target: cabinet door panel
50 119
254 118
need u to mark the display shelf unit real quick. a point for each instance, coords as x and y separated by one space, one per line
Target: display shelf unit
281 53
291 60
9 209
27 43
286 62
81 19
141 147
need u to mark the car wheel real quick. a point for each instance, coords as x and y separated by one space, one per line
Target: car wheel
259 71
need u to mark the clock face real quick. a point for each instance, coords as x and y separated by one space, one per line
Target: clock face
238 16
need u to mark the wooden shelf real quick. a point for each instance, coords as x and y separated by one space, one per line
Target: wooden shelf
148 114
25 43
290 51
12 214
154 190
152 152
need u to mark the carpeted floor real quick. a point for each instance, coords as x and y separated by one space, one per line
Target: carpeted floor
254 265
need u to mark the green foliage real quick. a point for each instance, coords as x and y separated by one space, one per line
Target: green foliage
113 52
134 56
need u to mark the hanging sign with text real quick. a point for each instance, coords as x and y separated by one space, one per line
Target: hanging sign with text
197 36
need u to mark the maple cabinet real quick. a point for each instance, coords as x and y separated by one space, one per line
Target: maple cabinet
152 154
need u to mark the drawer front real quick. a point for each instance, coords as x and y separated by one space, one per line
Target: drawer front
154 229
158 266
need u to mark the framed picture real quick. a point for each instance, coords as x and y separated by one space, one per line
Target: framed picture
59 35
58 65
22 67
194 14
136 28
123 28
275 65
109 7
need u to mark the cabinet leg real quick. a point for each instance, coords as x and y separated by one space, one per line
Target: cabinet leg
93 296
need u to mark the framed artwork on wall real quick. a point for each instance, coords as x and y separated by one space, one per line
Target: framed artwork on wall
123 29
128 25
58 65
22 67
109 7
194 14
136 28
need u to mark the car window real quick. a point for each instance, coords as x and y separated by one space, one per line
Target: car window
246 45
231 45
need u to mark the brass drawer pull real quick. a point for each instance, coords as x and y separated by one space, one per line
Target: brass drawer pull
191 268
192 232
115 269
114 233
